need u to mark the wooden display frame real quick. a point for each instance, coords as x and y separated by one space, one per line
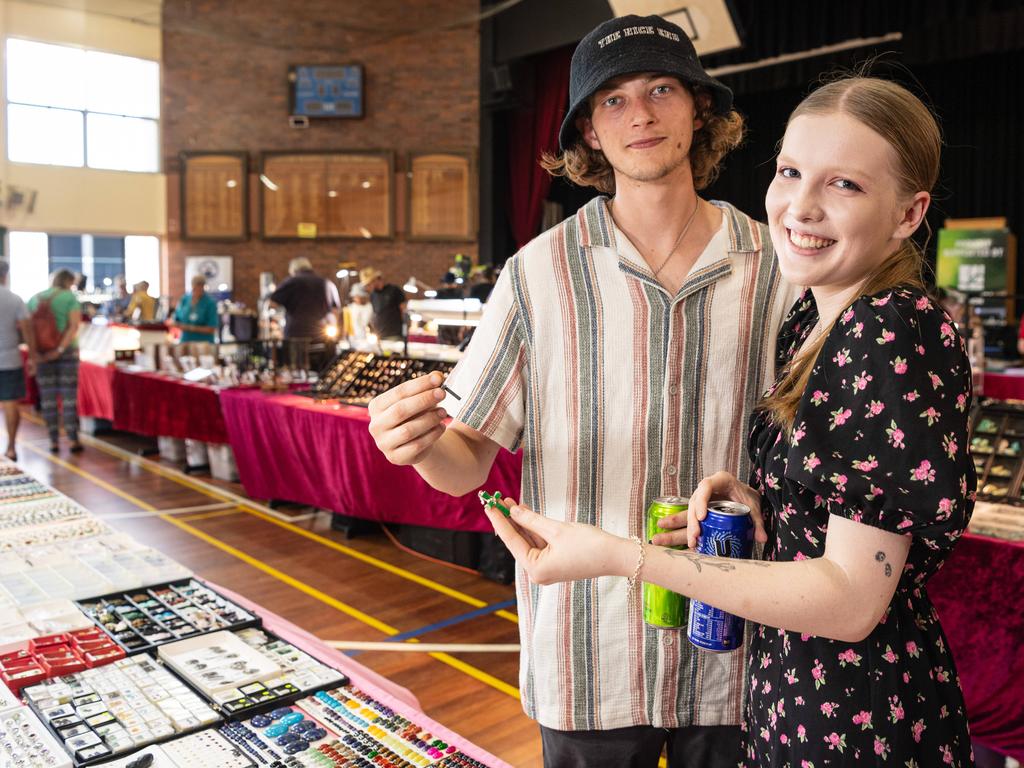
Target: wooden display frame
448 215
205 171
325 195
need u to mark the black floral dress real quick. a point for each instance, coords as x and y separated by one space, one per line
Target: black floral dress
880 437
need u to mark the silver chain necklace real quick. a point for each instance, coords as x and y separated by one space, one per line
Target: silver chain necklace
679 239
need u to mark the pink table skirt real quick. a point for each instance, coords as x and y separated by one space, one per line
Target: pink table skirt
388 693
96 391
976 595
156 404
1003 386
293 448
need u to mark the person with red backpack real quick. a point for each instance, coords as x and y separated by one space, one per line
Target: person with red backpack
56 316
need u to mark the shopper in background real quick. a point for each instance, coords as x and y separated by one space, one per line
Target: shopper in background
450 288
117 307
388 303
14 320
196 314
358 314
142 303
310 302
623 350
860 456
56 317
482 283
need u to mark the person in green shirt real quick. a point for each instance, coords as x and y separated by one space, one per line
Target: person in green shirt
196 314
57 369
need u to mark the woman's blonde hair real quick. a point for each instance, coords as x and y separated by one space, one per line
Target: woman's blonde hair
719 135
907 125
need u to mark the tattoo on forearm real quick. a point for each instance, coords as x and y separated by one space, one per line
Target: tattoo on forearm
880 557
721 563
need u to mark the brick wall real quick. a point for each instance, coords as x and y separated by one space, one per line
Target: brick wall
225 65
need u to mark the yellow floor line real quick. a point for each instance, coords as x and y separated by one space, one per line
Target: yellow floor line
355 613
248 508
208 515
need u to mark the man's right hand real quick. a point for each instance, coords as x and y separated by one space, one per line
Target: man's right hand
406 421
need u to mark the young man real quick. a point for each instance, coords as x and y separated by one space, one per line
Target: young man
623 351
388 303
14 321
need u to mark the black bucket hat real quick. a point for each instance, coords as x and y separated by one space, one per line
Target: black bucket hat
634 44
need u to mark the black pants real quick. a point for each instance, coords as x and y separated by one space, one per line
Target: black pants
715 746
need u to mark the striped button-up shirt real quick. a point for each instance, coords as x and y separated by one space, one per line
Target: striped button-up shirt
618 392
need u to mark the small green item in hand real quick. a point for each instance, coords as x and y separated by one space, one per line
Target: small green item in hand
494 501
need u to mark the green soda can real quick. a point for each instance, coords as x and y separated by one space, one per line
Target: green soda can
663 608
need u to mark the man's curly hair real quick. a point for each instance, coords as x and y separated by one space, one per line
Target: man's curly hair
717 137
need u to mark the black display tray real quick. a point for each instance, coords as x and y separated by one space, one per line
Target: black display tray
258 705
156 614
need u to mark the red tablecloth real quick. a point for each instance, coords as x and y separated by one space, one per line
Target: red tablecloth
976 595
1003 386
157 404
96 391
319 453
388 693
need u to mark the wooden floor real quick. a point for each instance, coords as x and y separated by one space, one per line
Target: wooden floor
290 561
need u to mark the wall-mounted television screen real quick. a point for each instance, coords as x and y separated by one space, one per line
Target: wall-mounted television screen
326 91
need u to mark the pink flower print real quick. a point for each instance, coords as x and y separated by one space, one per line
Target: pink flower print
947 754
863 719
799 701
858 329
899 366
847 316
842 357
882 301
810 462
886 337
895 435
924 472
875 407
818 671
943 712
798 434
881 748
895 709
828 708
835 741
912 649
812 539
765 735
875 492
949 445
801 733
799 556
919 349
936 381
783 738
791 677
922 303
906 677
806 763
860 383
766 660
890 655
931 414
945 508
866 465
911 396
849 656
961 402
839 481
839 417
941 675
767 688
947 333
917 729
771 481
819 397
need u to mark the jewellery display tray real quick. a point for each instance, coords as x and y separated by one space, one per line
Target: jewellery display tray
149 612
355 378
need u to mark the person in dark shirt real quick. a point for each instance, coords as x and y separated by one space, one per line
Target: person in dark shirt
309 301
483 283
388 303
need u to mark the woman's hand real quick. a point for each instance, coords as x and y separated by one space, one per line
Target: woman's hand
721 485
551 551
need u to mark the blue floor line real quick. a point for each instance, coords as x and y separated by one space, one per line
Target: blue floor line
460 618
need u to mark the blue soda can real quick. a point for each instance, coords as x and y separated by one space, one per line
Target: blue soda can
727 531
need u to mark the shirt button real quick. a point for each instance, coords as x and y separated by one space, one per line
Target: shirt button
671 470
673 390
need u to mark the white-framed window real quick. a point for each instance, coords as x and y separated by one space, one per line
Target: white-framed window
73 107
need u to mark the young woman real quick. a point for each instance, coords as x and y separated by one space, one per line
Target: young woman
861 483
